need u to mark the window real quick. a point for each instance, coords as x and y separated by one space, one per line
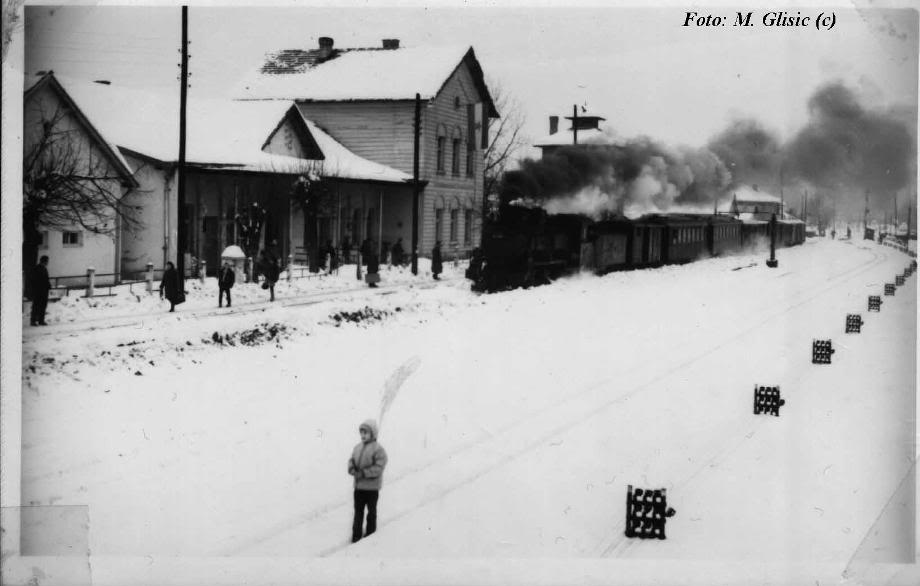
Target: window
72 239
468 227
455 159
438 223
470 161
454 216
43 239
456 102
441 145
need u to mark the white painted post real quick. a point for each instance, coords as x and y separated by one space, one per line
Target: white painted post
203 270
90 281
290 267
149 277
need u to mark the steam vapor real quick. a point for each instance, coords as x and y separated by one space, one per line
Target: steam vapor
842 151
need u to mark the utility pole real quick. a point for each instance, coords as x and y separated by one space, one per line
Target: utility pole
415 182
182 228
574 124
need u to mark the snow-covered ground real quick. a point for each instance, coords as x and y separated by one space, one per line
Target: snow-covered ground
210 439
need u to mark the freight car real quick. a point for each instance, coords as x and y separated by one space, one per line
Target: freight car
527 246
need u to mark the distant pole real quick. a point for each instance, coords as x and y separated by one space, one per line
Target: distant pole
772 263
575 124
415 182
181 229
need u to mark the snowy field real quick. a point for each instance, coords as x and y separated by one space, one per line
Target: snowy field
181 445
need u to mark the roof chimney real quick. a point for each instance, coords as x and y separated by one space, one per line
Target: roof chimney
553 124
325 47
390 43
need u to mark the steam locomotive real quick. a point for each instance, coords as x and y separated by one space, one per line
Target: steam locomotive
525 246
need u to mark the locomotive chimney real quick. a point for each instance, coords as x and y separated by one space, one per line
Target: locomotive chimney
390 43
553 124
325 48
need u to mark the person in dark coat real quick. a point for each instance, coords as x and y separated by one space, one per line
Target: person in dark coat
346 250
368 459
169 285
397 253
271 272
366 250
373 270
436 265
39 286
329 250
226 277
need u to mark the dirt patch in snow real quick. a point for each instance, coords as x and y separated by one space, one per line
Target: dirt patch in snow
362 316
261 334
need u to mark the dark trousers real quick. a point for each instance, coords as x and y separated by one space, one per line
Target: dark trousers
39 305
364 498
220 297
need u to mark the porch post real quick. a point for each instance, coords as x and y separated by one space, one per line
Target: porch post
380 229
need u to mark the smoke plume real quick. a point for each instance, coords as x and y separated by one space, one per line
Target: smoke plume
844 150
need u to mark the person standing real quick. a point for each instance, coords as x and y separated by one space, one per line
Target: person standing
397 253
270 270
329 251
436 265
368 459
366 249
373 270
39 286
226 277
169 285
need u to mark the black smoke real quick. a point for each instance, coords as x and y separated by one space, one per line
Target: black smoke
844 150
632 177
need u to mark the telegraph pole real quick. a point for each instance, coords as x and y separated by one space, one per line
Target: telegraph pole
182 228
415 184
574 124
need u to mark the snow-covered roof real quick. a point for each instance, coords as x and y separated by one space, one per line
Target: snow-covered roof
585 136
92 127
745 194
342 163
219 133
396 74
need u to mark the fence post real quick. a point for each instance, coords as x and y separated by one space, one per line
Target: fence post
90 281
202 270
358 270
248 269
149 277
290 267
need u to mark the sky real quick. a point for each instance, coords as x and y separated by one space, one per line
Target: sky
638 67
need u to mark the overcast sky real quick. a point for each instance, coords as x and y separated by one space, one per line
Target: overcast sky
639 67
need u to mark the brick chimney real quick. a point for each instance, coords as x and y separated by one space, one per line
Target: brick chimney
390 43
325 47
553 124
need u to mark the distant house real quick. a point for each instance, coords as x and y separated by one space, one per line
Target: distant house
753 204
364 98
584 129
64 146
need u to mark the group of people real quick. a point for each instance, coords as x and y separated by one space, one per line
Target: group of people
40 282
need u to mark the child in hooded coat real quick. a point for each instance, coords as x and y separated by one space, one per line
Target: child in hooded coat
366 464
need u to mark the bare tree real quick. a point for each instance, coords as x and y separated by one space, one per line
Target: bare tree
505 140
68 182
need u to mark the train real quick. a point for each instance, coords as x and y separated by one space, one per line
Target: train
527 246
